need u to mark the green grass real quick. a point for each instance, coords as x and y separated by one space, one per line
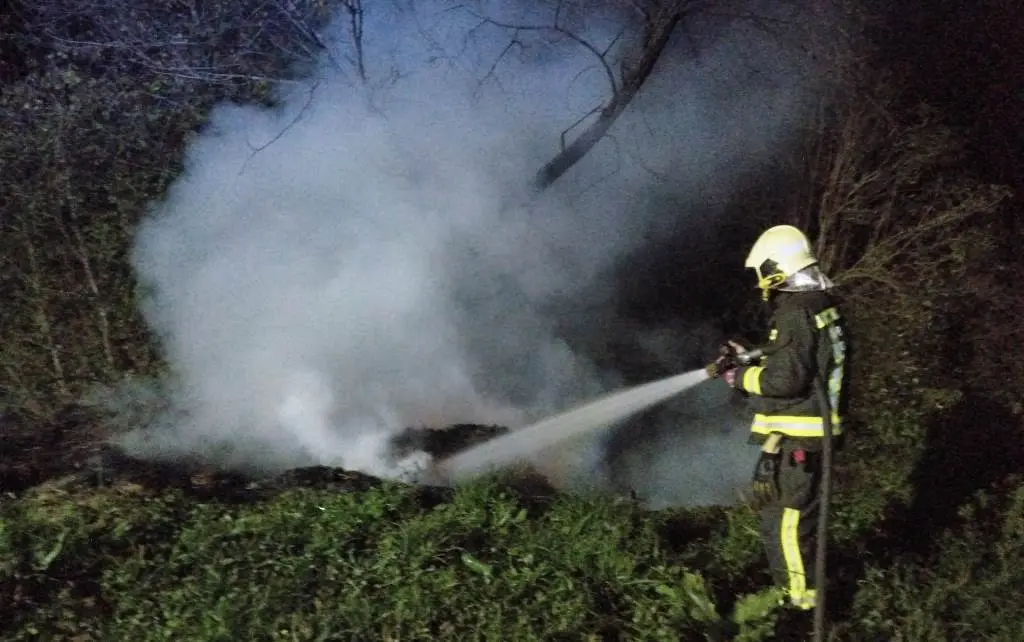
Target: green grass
968 590
123 563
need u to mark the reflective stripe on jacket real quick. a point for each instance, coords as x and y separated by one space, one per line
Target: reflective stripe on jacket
806 338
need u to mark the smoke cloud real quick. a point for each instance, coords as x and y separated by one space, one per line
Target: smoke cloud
367 256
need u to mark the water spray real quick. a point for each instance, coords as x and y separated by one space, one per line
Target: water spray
587 418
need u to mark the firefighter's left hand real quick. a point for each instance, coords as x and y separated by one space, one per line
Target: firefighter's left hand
720 368
730 377
765 484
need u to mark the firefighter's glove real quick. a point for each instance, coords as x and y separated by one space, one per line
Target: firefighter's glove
721 368
766 479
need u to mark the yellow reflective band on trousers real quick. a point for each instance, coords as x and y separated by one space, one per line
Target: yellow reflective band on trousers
752 380
790 543
794 426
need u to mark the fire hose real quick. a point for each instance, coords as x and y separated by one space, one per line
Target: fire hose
826 489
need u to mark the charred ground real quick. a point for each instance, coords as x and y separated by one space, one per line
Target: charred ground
77 445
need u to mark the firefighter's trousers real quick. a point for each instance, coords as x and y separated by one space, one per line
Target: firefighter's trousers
788 525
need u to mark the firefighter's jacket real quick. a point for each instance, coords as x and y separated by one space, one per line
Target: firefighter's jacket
806 340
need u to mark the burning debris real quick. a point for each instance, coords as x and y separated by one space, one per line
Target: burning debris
441 443
95 462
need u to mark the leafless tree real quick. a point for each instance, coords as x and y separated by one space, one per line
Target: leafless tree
185 40
886 193
627 67
659 23
92 130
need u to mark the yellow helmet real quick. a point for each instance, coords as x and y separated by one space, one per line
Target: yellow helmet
777 254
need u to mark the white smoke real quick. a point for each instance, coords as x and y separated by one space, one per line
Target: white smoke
364 258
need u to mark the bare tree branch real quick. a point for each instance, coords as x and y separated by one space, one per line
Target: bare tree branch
565 132
887 214
556 28
633 78
298 116
208 42
354 8
514 42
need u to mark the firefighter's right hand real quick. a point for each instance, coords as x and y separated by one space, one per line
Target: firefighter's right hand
737 348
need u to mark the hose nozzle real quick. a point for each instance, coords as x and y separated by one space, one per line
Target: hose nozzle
730 358
749 357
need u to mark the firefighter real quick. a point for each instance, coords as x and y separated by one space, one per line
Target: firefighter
806 346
